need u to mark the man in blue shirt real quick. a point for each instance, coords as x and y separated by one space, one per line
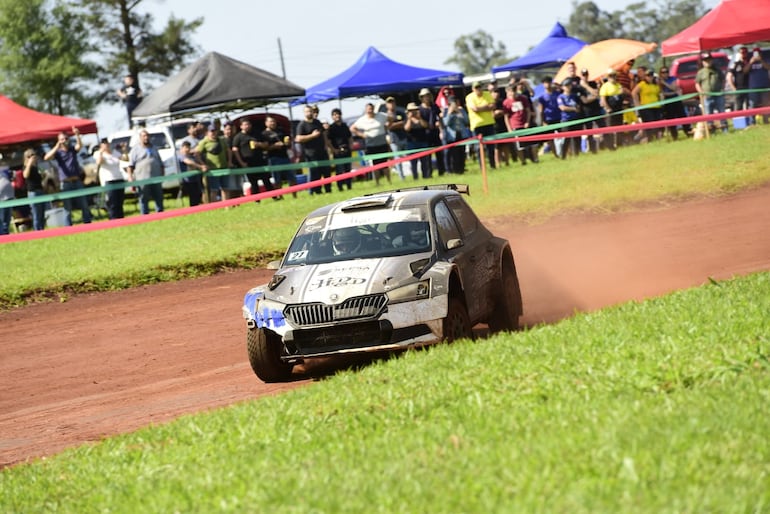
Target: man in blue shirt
66 156
571 110
548 107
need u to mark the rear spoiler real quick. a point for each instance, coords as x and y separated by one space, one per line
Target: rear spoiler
460 188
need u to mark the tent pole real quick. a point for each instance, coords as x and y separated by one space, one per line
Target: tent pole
280 53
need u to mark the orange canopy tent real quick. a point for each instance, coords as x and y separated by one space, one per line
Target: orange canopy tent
597 58
732 22
21 124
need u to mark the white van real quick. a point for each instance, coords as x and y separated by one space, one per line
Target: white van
161 138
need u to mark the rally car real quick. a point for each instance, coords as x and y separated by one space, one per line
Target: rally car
386 271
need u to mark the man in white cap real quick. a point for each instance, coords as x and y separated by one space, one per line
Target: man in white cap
416 128
710 82
481 107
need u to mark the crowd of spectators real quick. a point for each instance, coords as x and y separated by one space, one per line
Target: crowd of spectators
624 96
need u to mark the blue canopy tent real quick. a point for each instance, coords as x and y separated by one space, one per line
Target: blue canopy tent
374 73
551 52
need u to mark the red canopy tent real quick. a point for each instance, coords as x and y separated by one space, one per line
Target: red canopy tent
20 124
732 22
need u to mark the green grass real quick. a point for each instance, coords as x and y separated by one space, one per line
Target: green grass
657 407
254 234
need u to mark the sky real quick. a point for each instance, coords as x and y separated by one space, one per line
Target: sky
321 39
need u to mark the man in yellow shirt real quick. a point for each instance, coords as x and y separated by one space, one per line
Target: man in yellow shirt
647 92
611 99
481 107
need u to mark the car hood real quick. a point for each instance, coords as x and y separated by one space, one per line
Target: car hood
331 283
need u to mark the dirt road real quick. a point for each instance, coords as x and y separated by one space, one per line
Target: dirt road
108 363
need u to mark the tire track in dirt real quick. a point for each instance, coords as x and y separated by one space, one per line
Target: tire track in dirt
109 363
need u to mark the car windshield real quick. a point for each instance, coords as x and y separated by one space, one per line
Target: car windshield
317 243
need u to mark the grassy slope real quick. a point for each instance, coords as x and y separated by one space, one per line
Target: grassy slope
647 407
256 233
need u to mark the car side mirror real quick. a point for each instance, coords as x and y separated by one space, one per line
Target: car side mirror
454 243
274 265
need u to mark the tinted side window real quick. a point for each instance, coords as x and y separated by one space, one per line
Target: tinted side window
159 140
447 228
120 141
721 63
179 131
463 214
687 68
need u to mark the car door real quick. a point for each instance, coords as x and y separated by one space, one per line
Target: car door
478 243
469 257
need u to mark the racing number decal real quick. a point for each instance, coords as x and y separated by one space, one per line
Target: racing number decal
335 282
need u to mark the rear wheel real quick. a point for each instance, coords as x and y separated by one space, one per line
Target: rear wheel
457 324
265 356
505 315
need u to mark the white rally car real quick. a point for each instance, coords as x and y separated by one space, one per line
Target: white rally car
385 271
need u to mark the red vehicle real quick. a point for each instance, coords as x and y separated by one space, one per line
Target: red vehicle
685 68
258 122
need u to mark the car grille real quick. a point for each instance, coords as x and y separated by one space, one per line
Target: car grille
308 314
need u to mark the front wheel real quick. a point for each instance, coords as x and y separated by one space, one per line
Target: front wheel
265 356
457 324
505 315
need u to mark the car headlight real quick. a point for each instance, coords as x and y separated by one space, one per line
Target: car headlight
276 281
415 291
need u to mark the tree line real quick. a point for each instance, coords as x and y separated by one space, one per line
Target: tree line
478 53
63 56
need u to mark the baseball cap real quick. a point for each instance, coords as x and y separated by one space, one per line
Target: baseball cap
706 55
390 99
476 84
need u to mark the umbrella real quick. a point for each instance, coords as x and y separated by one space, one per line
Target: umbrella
610 53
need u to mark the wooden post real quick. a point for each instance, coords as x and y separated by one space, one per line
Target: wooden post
703 113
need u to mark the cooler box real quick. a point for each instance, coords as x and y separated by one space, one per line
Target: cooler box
739 123
301 178
56 217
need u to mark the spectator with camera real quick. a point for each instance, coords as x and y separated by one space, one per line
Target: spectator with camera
592 108
108 168
341 140
70 173
33 181
611 99
759 79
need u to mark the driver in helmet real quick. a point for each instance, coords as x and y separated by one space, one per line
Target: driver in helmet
346 241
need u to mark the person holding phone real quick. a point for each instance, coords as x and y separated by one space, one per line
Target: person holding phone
66 156
759 79
108 167
34 184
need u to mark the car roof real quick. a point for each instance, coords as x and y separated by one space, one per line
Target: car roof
152 129
393 200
